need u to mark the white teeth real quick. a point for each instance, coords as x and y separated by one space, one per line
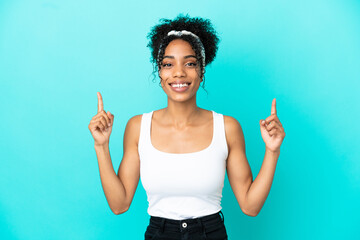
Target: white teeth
179 85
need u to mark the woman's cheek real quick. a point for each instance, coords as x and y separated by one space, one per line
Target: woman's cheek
164 78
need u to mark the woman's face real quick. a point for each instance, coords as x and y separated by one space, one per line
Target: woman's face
180 71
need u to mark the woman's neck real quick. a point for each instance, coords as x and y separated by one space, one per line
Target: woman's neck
181 114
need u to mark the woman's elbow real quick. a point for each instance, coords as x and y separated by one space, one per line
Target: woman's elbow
120 210
249 213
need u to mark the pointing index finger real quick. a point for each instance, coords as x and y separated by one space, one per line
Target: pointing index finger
273 106
100 102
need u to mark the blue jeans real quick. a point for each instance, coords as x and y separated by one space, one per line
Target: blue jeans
209 227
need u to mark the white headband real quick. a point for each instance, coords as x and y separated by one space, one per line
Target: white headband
184 32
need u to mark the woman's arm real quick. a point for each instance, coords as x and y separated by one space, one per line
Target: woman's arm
238 169
120 189
251 195
260 187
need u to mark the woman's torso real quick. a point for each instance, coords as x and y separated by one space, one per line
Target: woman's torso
183 171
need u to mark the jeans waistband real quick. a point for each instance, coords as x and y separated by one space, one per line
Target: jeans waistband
190 220
192 224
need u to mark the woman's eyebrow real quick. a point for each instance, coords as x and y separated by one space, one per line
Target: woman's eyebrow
187 56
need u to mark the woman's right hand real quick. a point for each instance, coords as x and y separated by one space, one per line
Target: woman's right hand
101 124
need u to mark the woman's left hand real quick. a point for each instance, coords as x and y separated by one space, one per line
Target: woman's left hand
272 131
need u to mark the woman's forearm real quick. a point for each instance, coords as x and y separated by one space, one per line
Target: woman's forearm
113 188
260 187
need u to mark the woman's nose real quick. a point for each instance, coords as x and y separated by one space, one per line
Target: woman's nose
178 71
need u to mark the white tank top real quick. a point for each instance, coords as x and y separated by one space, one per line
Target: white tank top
183 185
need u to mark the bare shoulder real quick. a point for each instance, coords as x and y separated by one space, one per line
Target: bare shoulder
135 121
132 130
231 122
233 130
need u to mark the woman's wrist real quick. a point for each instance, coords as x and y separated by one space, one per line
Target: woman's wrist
104 146
272 151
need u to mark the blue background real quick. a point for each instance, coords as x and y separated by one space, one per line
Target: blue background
55 56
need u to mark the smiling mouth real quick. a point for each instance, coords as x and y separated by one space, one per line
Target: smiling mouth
180 85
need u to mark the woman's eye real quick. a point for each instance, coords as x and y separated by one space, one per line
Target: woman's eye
166 65
192 64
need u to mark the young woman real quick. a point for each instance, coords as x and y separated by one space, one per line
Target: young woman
181 152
